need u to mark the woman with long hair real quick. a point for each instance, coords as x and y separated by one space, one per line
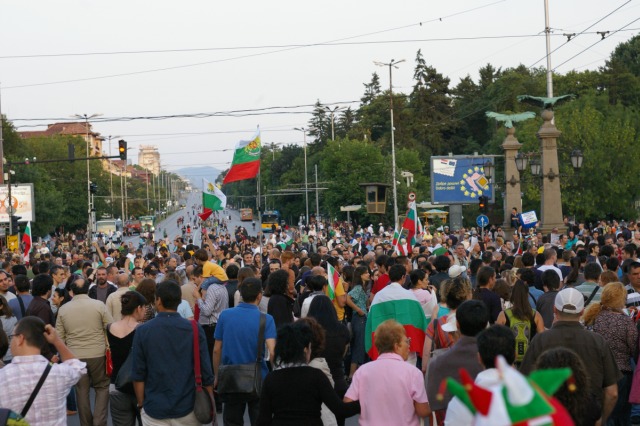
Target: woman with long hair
147 288
294 380
425 293
607 318
357 300
280 305
336 340
574 395
120 335
453 292
9 321
244 273
573 279
521 311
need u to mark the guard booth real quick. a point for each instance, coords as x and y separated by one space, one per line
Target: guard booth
375 197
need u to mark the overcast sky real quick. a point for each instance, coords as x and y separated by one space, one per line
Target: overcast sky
250 58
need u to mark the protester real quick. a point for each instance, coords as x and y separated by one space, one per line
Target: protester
293 380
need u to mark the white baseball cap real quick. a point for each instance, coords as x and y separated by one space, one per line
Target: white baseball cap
456 270
569 301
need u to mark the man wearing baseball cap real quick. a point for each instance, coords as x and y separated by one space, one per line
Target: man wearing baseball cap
594 351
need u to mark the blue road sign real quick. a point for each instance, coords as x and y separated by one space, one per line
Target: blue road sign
482 220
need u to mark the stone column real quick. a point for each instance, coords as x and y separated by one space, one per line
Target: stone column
551 201
512 193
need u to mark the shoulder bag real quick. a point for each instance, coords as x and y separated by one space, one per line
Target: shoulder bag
33 395
244 379
203 405
107 354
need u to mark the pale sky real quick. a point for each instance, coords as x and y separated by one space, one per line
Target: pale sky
247 61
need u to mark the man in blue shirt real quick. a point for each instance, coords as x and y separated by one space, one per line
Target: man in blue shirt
23 288
163 369
236 342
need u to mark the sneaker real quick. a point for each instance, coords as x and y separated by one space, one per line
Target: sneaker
71 413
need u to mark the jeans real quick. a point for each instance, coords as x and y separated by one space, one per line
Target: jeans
233 410
71 400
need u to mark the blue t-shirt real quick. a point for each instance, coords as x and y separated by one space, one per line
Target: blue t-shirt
162 357
536 295
15 305
238 328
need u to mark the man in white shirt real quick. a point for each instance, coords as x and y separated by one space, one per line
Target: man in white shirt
550 258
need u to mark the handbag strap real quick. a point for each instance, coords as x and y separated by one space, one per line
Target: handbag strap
21 302
593 294
32 398
196 355
263 322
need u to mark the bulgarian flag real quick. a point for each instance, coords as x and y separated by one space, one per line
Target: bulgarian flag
26 240
395 302
246 160
412 225
212 197
397 247
334 280
285 243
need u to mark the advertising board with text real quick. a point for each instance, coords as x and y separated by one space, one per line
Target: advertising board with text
459 179
22 201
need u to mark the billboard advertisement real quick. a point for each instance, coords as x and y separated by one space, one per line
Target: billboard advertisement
459 179
22 200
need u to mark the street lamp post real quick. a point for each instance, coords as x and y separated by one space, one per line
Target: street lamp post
86 119
391 65
111 173
306 184
332 112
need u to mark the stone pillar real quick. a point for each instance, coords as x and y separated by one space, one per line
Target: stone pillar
512 192
551 201
455 216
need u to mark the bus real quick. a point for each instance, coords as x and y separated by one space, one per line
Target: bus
110 227
270 218
246 214
147 223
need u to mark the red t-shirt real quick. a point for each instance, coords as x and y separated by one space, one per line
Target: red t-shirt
382 282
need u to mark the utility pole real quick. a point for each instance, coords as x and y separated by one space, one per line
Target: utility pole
111 173
547 31
306 184
317 203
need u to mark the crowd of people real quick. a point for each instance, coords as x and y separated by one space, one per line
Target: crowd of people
335 320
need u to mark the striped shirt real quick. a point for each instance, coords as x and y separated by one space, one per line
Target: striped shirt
215 301
20 377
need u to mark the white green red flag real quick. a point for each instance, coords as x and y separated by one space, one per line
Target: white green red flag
395 302
26 241
212 197
334 280
246 160
396 243
284 244
412 225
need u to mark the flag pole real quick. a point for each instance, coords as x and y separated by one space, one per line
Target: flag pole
259 233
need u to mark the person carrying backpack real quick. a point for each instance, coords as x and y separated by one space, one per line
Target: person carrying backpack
521 319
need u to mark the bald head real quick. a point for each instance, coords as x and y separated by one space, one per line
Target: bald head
122 280
318 270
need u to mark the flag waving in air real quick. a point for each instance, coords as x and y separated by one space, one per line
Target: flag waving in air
212 197
412 226
246 160
26 240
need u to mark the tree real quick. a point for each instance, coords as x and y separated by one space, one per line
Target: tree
371 89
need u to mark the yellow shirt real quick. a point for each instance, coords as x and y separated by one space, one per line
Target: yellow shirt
210 269
339 292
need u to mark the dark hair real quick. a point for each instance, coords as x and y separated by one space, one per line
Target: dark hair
607 250
527 259
592 271
472 317
42 283
357 275
54 269
250 289
630 249
612 263
551 280
147 288
484 275
397 272
322 309
131 300
232 271
528 276
169 294
78 288
382 260
496 340
318 339
474 266
4 343
575 270
32 329
291 341
316 282
442 263
277 283
22 283
458 291
578 398
486 257
540 259
416 275
19 270
520 298
5 309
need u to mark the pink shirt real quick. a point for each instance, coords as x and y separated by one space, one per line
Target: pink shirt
387 389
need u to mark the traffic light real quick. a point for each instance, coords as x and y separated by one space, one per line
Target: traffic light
15 227
122 149
483 201
93 188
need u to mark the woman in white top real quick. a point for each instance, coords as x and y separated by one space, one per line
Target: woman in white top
425 293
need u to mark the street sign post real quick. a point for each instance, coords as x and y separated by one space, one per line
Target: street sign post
482 221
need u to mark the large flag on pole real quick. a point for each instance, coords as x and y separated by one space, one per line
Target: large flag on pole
212 197
26 240
246 160
412 225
